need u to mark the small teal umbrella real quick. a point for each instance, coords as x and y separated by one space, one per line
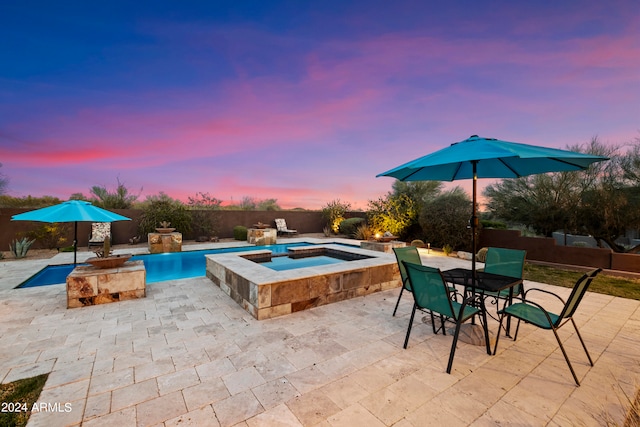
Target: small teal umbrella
478 157
71 211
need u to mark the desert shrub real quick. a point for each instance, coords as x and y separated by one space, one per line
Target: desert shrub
240 232
334 212
157 209
205 214
394 213
482 255
363 232
120 198
50 236
445 218
348 226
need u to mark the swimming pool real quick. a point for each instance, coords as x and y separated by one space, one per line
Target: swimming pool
160 267
285 263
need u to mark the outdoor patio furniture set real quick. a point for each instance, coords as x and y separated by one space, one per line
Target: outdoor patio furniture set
435 292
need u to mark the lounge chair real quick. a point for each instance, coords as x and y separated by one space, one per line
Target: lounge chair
99 232
281 226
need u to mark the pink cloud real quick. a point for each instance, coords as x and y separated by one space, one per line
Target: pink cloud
378 101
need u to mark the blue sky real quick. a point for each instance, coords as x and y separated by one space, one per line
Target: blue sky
304 102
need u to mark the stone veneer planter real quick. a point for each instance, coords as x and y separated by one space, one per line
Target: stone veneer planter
262 236
382 246
266 293
88 285
165 242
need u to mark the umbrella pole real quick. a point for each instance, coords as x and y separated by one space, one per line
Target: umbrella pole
474 222
75 241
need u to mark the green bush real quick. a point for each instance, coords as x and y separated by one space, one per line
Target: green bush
447 249
240 232
445 218
348 226
395 214
50 236
157 209
333 212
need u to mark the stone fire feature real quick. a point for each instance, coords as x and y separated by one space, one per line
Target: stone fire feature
87 285
165 242
266 293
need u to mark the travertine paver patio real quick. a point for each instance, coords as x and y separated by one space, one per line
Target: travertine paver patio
189 355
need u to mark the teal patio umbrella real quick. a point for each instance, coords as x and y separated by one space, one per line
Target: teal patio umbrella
71 211
478 157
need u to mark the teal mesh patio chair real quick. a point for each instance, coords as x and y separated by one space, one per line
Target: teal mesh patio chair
506 262
409 254
536 315
431 292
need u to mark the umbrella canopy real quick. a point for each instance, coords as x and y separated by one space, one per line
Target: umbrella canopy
478 157
493 159
71 211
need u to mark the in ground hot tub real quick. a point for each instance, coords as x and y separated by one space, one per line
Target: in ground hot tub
265 292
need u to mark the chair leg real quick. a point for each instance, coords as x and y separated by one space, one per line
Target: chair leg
453 346
433 323
495 348
455 337
398 302
515 336
582 342
566 357
486 332
413 313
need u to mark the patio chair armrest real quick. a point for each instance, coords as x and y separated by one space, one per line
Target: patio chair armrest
543 291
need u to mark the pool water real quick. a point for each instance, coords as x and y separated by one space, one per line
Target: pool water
160 267
283 263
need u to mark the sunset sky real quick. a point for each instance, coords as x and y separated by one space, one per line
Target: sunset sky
300 101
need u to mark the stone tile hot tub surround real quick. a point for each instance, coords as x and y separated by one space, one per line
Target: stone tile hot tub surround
266 293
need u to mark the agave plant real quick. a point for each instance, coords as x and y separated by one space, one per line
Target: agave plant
19 248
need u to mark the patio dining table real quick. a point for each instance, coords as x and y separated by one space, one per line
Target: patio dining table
485 282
